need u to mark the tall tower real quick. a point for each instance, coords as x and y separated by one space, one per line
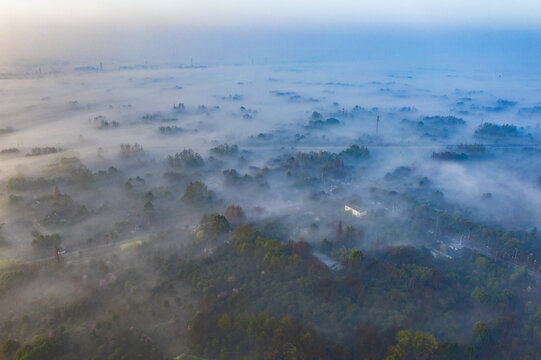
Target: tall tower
57 193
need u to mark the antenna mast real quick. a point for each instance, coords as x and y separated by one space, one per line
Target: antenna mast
57 253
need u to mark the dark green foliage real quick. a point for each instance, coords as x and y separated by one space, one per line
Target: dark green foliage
10 278
21 183
43 348
319 122
149 196
326 246
41 241
197 194
413 346
355 152
71 170
314 158
171 130
232 177
449 156
9 348
471 148
316 116
399 173
37 151
489 130
403 289
187 158
66 170
212 226
355 258
225 150
148 207
128 150
261 336
63 210
443 121
174 177
112 343
9 151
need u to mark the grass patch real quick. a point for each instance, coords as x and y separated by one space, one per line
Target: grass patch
6 263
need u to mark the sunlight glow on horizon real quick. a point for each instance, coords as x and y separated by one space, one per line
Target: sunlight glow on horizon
210 28
518 13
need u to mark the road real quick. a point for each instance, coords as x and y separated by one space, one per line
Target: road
489 254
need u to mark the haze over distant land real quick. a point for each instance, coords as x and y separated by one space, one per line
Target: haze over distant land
216 32
244 180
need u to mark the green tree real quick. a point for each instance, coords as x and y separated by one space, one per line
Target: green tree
186 158
45 241
213 225
355 258
9 348
481 338
149 207
196 193
355 151
414 346
225 322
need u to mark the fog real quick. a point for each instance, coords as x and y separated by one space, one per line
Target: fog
60 109
116 153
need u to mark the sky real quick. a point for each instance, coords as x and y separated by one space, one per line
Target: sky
521 13
242 31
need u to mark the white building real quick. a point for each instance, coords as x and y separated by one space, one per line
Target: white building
355 212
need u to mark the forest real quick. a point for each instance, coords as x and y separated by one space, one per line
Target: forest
286 213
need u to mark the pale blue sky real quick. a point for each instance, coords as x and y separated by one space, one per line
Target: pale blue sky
489 13
243 30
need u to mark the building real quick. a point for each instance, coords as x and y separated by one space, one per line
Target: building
355 212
